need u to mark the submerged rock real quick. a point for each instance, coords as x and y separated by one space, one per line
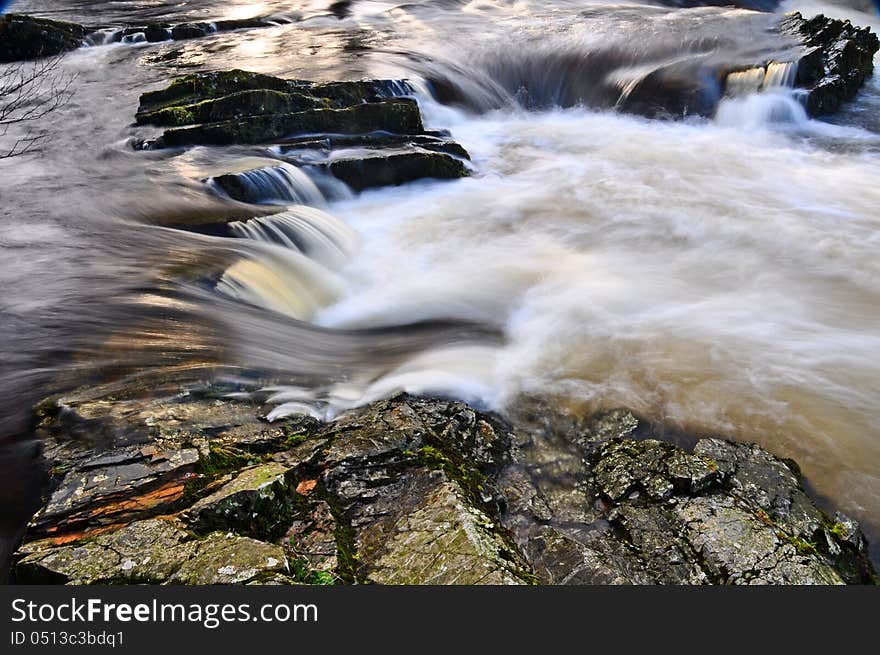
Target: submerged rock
25 37
838 58
421 491
380 169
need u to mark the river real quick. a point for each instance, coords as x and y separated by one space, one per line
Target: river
715 274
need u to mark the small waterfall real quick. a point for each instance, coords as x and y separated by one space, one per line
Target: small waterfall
776 75
743 83
280 280
312 232
761 97
279 184
780 75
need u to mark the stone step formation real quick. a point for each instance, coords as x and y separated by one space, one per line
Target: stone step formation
367 133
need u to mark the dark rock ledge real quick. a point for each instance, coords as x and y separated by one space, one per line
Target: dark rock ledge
833 61
838 57
199 490
23 37
367 133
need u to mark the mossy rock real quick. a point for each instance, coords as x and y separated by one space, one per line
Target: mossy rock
237 105
195 88
400 115
156 551
25 37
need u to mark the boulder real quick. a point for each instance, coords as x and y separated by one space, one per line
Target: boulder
399 115
837 59
25 37
378 169
236 105
258 501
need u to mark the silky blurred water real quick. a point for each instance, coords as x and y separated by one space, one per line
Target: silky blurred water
716 273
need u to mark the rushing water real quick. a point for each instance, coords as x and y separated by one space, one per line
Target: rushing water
719 274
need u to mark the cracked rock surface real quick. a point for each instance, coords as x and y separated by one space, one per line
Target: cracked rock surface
414 491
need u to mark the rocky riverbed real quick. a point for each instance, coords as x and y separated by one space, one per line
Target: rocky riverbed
198 488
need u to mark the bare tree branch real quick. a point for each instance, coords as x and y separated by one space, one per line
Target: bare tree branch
28 92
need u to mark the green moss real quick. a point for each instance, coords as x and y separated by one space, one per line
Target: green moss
46 411
468 477
802 546
292 438
839 530
303 572
223 459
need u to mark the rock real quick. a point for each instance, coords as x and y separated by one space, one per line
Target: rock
234 106
364 132
652 467
154 552
445 540
837 59
228 559
192 89
259 501
290 147
400 115
113 488
192 31
416 491
411 485
380 169
25 37
232 86
159 32
156 33
728 513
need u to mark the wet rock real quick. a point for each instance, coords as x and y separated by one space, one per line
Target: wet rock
380 169
191 31
234 106
400 115
728 513
153 552
291 147
364 132
838 57
223 558
418 491
232 85
312 539
445 540
159 32
656 468
259 501
25 37
191 89
116 487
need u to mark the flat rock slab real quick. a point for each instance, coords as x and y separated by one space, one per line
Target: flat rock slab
154 552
